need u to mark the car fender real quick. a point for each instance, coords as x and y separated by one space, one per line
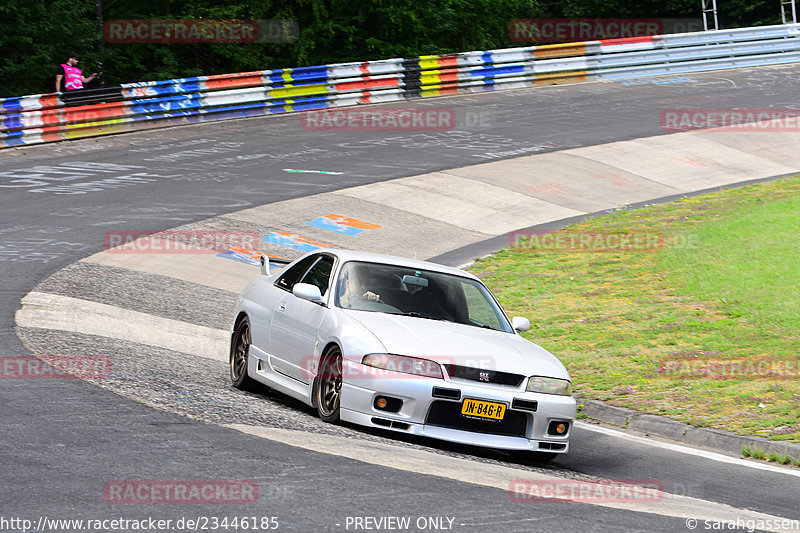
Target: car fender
352 337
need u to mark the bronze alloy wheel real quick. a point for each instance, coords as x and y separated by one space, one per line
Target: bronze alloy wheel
238 359
329 386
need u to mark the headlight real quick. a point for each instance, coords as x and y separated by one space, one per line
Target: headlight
404 364
562 387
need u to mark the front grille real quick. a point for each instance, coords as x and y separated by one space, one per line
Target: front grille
448 415
483 375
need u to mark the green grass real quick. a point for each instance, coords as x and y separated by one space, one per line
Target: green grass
758 453
748 265
782 459
703 327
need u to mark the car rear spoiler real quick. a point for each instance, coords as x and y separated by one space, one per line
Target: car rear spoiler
266 260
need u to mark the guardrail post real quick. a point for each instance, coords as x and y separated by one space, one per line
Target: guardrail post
785 3
709 6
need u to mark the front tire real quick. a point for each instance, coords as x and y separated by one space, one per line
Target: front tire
329 386
240 347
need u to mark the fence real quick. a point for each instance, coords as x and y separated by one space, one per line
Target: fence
136 106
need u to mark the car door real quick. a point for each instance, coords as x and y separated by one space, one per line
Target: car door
269 298
296 323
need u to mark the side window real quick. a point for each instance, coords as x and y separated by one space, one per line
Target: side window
320 273
295 272
479 308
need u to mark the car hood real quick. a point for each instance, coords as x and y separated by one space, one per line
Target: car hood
451 343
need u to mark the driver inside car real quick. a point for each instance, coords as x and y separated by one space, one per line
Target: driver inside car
353 287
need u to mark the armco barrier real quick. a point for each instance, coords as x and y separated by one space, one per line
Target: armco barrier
136 106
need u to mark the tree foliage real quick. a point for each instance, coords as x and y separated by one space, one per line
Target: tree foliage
36 35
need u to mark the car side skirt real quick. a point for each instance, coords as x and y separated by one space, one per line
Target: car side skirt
259 369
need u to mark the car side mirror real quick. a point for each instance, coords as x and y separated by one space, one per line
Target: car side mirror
521 324
264 265
309 292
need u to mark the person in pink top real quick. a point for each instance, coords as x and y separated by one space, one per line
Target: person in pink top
69 77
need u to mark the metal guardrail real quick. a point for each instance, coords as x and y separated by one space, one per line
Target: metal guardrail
136 106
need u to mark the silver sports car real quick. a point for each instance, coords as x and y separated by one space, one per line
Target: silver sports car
403 345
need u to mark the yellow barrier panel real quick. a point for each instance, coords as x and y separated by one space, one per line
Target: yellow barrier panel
559 50
556 79
88 129
302 90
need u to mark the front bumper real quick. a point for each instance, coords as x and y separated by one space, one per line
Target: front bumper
422 413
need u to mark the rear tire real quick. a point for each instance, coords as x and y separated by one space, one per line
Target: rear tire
328 386
240 348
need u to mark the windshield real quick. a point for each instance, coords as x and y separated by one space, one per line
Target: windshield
426 294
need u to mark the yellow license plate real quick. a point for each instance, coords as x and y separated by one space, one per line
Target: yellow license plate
481 409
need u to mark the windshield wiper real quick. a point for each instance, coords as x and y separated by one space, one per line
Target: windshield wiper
420 315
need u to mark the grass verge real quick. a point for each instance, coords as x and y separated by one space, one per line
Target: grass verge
697 317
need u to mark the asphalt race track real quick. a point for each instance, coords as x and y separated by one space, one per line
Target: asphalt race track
64 440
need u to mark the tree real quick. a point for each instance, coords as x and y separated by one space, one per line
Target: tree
36 36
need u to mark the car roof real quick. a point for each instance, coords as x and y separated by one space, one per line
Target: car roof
370 257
